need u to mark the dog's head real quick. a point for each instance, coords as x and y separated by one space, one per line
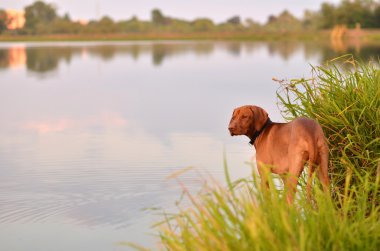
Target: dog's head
246 120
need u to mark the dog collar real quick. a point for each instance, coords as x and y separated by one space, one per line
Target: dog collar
257 133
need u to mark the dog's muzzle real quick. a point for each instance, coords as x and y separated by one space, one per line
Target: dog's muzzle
231 129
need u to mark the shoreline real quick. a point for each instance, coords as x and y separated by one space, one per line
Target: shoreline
352 35
233 36
366 36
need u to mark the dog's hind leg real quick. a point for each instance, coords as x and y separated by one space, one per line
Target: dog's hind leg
296 164
323 167
310 178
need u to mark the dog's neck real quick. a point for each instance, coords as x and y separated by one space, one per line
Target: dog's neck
256 134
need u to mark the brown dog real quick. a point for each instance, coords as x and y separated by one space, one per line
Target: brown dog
283 147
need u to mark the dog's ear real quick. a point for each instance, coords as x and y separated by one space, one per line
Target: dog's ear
260 116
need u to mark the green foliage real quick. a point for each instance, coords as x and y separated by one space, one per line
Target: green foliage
285 21
345 101
134 25
234 20
245 217
42 18
328 17
62 26
350 13
376 16
39 14
3 21
158 18
203 24
105 25
311 19
252 25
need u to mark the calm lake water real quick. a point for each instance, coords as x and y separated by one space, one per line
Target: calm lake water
91 131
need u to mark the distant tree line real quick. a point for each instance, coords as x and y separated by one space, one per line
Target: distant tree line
363 12
42 18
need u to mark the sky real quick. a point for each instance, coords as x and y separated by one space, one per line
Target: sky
217 10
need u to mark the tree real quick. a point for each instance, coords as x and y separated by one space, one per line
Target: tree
353 12
234 20
37 14
311 19
328 16
203 24
349 12
158 17
3 21
134 25
106 25
285 21
67 17
376 16
251 24
272 19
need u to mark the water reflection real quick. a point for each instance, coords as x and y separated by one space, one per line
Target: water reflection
4 58
90 177
47 58
43 60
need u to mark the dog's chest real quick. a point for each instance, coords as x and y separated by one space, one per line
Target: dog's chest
274 153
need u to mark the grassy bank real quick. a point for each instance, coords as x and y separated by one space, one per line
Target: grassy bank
250 219
344 98
246 36
366 36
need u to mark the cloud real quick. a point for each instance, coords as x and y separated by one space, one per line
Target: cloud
102 120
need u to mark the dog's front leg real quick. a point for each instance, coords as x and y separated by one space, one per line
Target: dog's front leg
264 175
291 182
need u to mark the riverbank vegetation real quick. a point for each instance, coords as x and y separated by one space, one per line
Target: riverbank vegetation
345 101
343 97
214 36
43 22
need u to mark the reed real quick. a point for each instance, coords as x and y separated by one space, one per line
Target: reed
242 216
344 97
247 218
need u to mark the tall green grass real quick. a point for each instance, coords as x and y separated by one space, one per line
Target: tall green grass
248 218
242 216
344 97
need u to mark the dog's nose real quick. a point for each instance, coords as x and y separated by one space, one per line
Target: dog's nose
231 129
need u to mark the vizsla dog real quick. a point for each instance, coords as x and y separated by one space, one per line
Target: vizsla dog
283 147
